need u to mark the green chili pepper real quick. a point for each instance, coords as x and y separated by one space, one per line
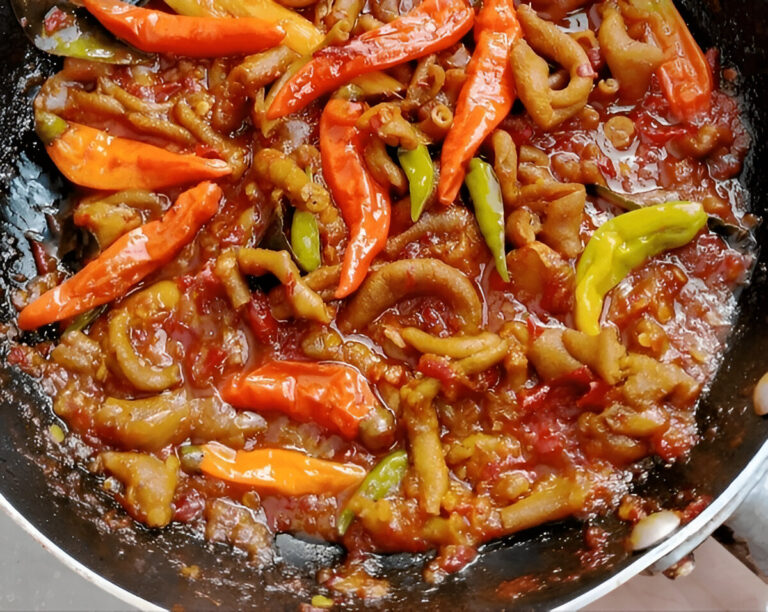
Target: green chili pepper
79 35
49 126
417 165
734 236
624 243
387 474
83 320
485 191
305 240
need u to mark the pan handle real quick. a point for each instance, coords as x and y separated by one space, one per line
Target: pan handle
749 524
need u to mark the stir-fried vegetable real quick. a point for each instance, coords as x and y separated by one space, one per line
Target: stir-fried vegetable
272 470
431 26
300 34
92 158
333 395
305 240
387 474
625 242
685 75
485 191
418 167
486 96
364 203
127 261
159 32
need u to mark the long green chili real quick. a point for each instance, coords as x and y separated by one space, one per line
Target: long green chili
624 243
485 191
735 236
380 480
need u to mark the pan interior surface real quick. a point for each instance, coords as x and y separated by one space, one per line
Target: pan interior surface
67 507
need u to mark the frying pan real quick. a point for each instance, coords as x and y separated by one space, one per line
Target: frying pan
63 506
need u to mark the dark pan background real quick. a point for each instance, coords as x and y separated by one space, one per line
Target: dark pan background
66 505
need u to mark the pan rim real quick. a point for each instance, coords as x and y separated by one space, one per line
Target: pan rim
76 566
657 559
688 538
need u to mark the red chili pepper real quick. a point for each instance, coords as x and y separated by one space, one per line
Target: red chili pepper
432 26
94 159
363 202
486 96
278 471
160 32
334 396
44 262
685 75
131 258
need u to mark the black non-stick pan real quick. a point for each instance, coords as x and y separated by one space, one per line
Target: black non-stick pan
63 503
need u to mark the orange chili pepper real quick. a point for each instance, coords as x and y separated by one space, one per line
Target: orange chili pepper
92 158
128 260
280 471
329 394
159 32
486 96
364 204
685 75
429 27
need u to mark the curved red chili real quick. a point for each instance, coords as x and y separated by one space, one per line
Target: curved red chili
432 26
364 204
93 158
